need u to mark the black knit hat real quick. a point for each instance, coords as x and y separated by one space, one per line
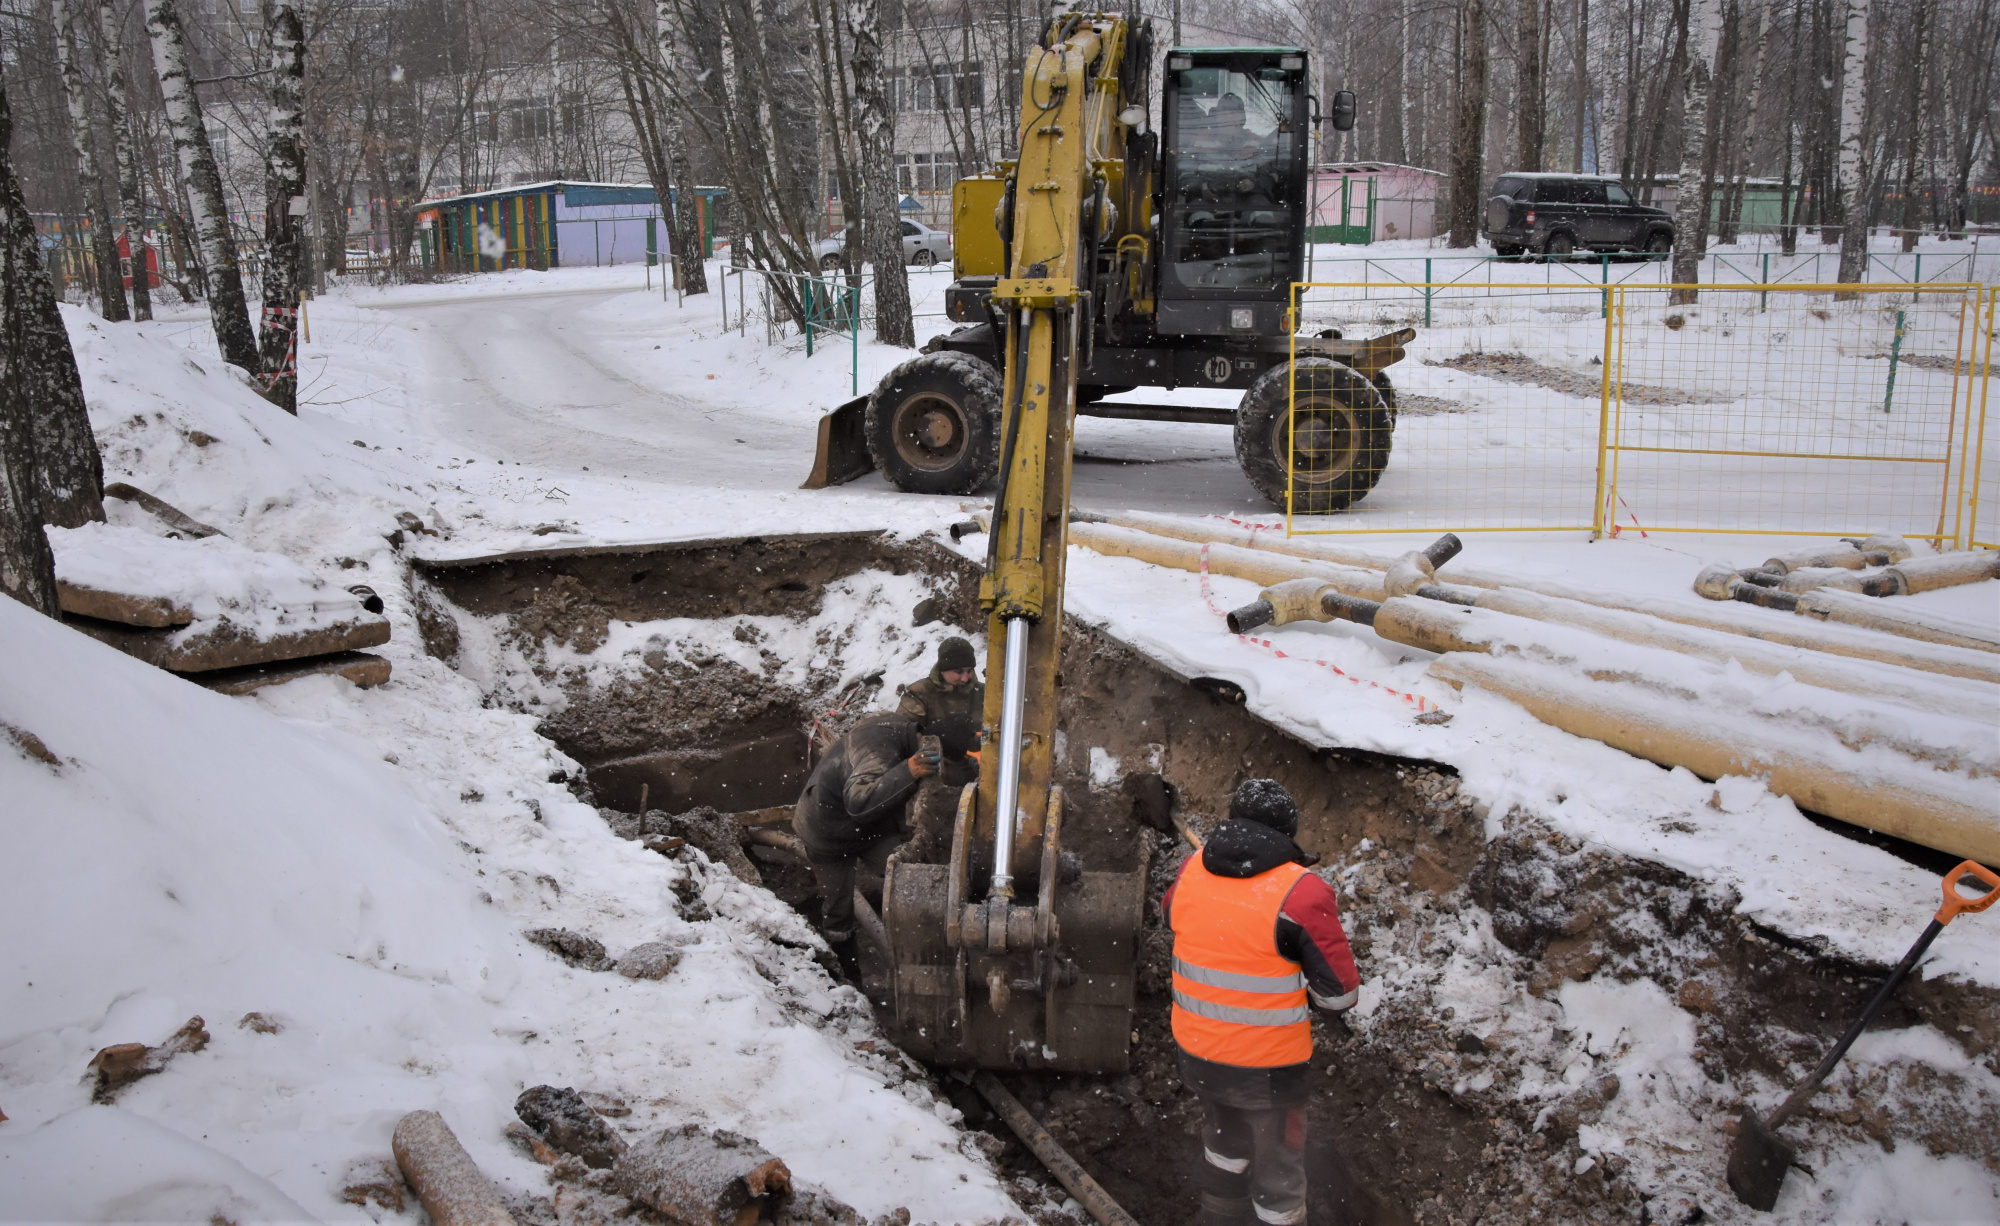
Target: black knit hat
955 653
1266 802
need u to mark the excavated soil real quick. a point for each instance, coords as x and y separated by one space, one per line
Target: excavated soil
1520 368
1416 1114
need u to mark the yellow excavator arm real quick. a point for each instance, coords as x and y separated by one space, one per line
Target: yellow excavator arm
1047 981
1071 151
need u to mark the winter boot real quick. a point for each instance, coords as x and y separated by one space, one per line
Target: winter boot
1224 1211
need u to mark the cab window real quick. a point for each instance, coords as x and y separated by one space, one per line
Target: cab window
1516 189
1615 193
1230 204
1586 191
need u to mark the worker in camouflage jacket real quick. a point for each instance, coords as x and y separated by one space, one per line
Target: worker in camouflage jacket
851 810
953 688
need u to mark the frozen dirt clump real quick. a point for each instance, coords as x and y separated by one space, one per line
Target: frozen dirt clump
563 1120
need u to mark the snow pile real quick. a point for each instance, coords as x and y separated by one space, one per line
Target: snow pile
213 578
358 868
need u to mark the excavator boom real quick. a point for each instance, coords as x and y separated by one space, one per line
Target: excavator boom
987 973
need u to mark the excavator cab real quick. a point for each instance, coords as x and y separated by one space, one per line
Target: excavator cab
1234 190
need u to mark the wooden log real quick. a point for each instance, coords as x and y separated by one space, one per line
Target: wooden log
167 513
126 608
360 667
443 1175
223 644
704 1179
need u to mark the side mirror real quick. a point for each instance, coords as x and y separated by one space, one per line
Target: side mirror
1342 113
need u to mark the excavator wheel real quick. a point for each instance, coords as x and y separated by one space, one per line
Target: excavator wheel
934 424
1339 443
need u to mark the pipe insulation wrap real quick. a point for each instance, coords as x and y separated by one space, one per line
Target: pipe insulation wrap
1946 570
1874 786
1941 694
1836 623
1257 566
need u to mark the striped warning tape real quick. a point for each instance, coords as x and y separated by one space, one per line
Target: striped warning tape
1418 701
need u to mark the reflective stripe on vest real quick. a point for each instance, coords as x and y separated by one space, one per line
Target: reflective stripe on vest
1237 1000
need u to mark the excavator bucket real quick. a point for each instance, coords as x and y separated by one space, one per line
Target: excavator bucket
1003 987
843 446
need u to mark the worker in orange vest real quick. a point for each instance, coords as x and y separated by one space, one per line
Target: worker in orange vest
1256 938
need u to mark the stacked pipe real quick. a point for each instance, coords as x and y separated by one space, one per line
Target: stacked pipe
1881 565
1475 631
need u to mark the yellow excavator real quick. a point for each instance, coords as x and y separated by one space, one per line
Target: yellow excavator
1118 259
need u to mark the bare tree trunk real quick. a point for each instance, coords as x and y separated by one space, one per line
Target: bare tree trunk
226 307
1913 149
285 250
1468 137
1745 134
70 49
1582 56
131 193
41 396
834 113
1724 65
27 568
882 229
1405 96
1690 233
1528 85
1852 181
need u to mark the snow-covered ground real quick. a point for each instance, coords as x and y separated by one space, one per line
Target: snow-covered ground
358 865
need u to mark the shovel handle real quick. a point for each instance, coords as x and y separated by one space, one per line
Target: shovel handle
1955 903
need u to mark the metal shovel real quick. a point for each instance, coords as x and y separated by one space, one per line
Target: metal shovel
1758 1156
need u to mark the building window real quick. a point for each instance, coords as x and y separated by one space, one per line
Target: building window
933 87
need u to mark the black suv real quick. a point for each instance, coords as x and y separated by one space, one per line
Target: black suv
1560 214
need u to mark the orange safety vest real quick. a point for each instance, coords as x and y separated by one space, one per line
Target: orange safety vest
1237 1000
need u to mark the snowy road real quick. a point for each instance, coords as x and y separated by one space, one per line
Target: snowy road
559 380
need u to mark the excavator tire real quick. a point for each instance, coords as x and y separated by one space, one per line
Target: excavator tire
934 424
1342 439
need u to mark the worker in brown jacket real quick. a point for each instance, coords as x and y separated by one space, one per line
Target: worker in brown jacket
1257 939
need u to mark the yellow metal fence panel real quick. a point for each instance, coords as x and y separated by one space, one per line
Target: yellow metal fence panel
1788 409
1803 410
1498 410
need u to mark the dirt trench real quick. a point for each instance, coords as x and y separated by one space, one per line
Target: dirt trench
1415 1115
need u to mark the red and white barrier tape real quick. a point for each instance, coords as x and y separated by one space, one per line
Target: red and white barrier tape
1421 703
286 319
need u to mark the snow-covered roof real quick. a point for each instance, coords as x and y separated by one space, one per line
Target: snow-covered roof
1372 167
529 189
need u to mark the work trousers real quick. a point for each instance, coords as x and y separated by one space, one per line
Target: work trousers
1253 1141
836 876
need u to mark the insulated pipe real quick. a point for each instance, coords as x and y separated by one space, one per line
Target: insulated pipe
1072 1176
1417 568
1944 570
1950 812
1979 700
1013 699
1837 623
1814 578
1256 565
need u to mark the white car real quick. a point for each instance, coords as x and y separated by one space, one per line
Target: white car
922 246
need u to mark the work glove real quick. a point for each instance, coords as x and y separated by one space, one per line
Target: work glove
924 763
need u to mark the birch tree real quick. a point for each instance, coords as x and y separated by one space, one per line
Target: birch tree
77 85
1704 28
40 391
27 568
882 225
227 311
131 189
1851 181
284 209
